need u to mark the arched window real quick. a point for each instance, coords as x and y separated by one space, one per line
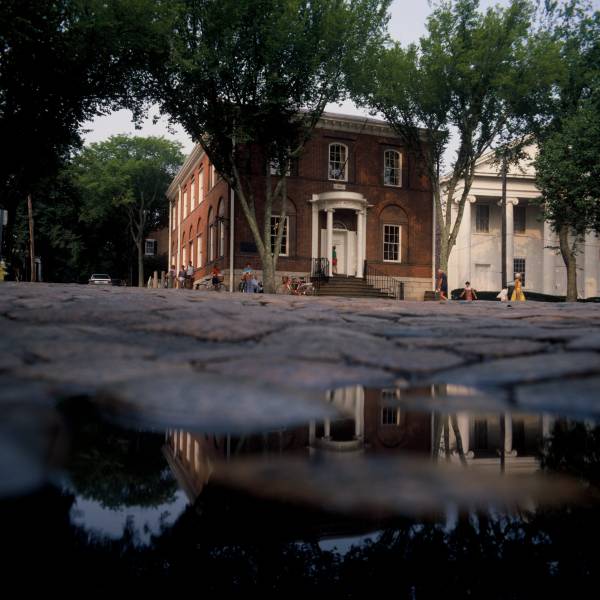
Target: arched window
221 227
394 230
199 255
183 251
338 162
211 235
191 246
392 168
288 235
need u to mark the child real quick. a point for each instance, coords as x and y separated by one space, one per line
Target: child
468 293
503 295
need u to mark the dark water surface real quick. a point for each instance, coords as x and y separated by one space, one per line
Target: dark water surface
419 492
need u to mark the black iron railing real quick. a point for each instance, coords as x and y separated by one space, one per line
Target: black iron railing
382 281
319 272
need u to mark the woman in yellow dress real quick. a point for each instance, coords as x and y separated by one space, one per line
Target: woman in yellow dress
518 294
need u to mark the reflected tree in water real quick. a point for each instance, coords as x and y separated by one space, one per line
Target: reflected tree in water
115 466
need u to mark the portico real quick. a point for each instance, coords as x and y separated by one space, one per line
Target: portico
350 245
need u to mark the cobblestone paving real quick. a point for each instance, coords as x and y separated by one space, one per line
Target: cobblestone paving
211 362
155 346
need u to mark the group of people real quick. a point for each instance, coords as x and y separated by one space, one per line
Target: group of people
469 294
249 283
182 279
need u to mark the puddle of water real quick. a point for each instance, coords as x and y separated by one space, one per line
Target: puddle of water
424 477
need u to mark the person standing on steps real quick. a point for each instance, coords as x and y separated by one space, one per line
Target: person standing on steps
334 261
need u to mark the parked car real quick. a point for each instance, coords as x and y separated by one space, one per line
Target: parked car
100 279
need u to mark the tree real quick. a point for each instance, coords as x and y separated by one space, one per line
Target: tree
249 79
71 247
466 75
63 62
129 175
568 174
568 163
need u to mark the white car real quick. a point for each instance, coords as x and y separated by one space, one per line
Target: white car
100 279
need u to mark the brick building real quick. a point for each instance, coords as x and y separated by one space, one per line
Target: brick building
355 188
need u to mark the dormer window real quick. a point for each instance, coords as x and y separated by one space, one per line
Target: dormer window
392 168
338 162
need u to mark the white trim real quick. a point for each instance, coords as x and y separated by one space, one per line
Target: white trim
399 242
344 176
398 169
199 253
286 235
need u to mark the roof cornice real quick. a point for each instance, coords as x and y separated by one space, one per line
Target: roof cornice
359 124
188 166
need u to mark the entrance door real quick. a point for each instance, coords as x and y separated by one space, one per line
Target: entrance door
345 249
339 242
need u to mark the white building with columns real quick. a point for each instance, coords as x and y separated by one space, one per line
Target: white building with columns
531 245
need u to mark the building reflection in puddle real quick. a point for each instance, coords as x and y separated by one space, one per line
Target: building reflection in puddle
376 423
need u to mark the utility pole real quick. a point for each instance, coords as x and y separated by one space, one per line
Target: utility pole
31 242
503 173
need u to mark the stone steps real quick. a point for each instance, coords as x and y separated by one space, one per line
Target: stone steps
350 287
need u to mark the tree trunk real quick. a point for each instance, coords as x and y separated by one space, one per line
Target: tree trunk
570 259
444 253
504 174
31 239
269 283
140 254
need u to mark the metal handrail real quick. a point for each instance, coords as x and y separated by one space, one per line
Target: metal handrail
319 272
382 281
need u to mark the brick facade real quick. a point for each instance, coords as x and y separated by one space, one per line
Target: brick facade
407 207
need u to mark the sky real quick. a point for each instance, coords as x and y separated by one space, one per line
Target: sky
406 25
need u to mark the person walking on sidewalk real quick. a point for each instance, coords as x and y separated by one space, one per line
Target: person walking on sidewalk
442 285
518 295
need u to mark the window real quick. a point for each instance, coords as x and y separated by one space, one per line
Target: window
520 219
213 176
391 243
275 224
174 216
200 186
274 167
390 415
193 193
338 162
191 249
392 168
211 236
183 255
221 228
151 247
519 267
185 204
199 261
482 218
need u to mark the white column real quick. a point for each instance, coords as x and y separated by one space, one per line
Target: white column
329 212
364 237
590 266
510 237
462 249
548 258
359 243
464 426
178 231
359 411
508 435
315 230
170 251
